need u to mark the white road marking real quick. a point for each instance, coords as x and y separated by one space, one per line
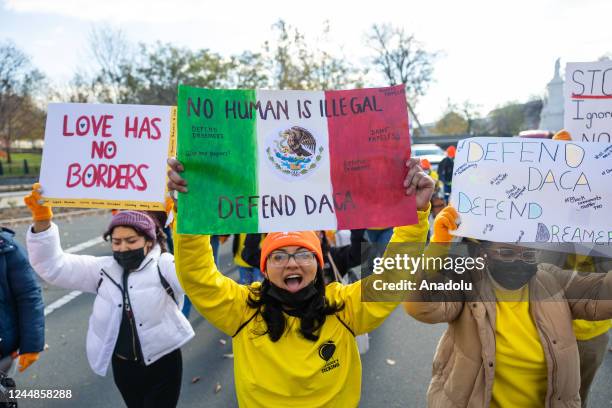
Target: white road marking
72 295
84 245
61 302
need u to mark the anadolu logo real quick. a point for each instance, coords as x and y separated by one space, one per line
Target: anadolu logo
294 152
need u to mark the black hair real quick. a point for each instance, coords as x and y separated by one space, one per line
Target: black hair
312 315
325 245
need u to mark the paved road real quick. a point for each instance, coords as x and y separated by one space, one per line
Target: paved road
12 199
406 342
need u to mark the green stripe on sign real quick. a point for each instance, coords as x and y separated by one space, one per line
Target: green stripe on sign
219 151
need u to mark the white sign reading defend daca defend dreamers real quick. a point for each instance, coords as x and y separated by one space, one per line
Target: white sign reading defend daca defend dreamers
533 190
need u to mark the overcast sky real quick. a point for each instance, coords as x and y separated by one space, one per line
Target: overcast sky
492 51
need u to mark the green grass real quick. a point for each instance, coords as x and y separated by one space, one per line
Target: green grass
16 167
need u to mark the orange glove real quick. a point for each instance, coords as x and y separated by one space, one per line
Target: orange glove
562 135
445 221
169 202
169 207
26 360
33 201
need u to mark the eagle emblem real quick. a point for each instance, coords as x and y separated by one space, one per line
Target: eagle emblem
294 152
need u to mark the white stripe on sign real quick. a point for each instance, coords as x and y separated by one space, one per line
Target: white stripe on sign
67 298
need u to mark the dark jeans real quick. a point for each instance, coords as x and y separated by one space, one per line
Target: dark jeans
447 192
155 386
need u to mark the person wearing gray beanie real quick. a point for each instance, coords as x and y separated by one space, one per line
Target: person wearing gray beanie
136 326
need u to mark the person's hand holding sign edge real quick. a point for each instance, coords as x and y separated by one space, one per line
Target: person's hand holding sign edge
175 181
419 184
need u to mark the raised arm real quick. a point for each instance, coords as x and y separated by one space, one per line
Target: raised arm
218 298
430 306
589 294
69 271
363 316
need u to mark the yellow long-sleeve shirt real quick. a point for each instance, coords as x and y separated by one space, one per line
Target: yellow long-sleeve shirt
584 329
292 372
520 365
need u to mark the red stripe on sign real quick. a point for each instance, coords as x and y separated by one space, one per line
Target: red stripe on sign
577 96
369 144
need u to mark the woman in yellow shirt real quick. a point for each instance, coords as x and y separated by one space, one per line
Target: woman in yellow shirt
293 337
509 342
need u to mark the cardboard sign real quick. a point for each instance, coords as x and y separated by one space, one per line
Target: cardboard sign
260 161
533 190
107 156
588 101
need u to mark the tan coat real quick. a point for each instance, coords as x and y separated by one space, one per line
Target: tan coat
464 362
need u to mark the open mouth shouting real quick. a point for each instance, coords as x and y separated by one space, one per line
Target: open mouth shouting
293 281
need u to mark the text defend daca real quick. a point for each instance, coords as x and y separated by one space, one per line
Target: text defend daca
282 205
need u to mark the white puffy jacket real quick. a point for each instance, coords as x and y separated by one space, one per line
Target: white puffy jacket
160 325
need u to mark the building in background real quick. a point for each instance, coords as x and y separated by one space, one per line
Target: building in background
551 117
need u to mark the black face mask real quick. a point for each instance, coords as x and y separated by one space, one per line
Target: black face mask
293 300
511 275
130 260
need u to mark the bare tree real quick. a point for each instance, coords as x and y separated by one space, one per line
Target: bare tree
18 82
507 120
402 60
297 63
162 67
113 55
248 71
80 89
470 112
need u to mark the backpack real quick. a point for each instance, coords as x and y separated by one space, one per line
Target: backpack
166 286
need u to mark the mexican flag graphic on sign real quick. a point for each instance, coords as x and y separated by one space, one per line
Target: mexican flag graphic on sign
262 161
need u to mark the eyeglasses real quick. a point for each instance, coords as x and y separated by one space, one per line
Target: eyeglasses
282 258
506 254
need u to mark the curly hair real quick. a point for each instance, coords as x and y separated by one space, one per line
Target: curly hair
312 314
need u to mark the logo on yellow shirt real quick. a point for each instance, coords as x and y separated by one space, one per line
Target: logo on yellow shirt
326 352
